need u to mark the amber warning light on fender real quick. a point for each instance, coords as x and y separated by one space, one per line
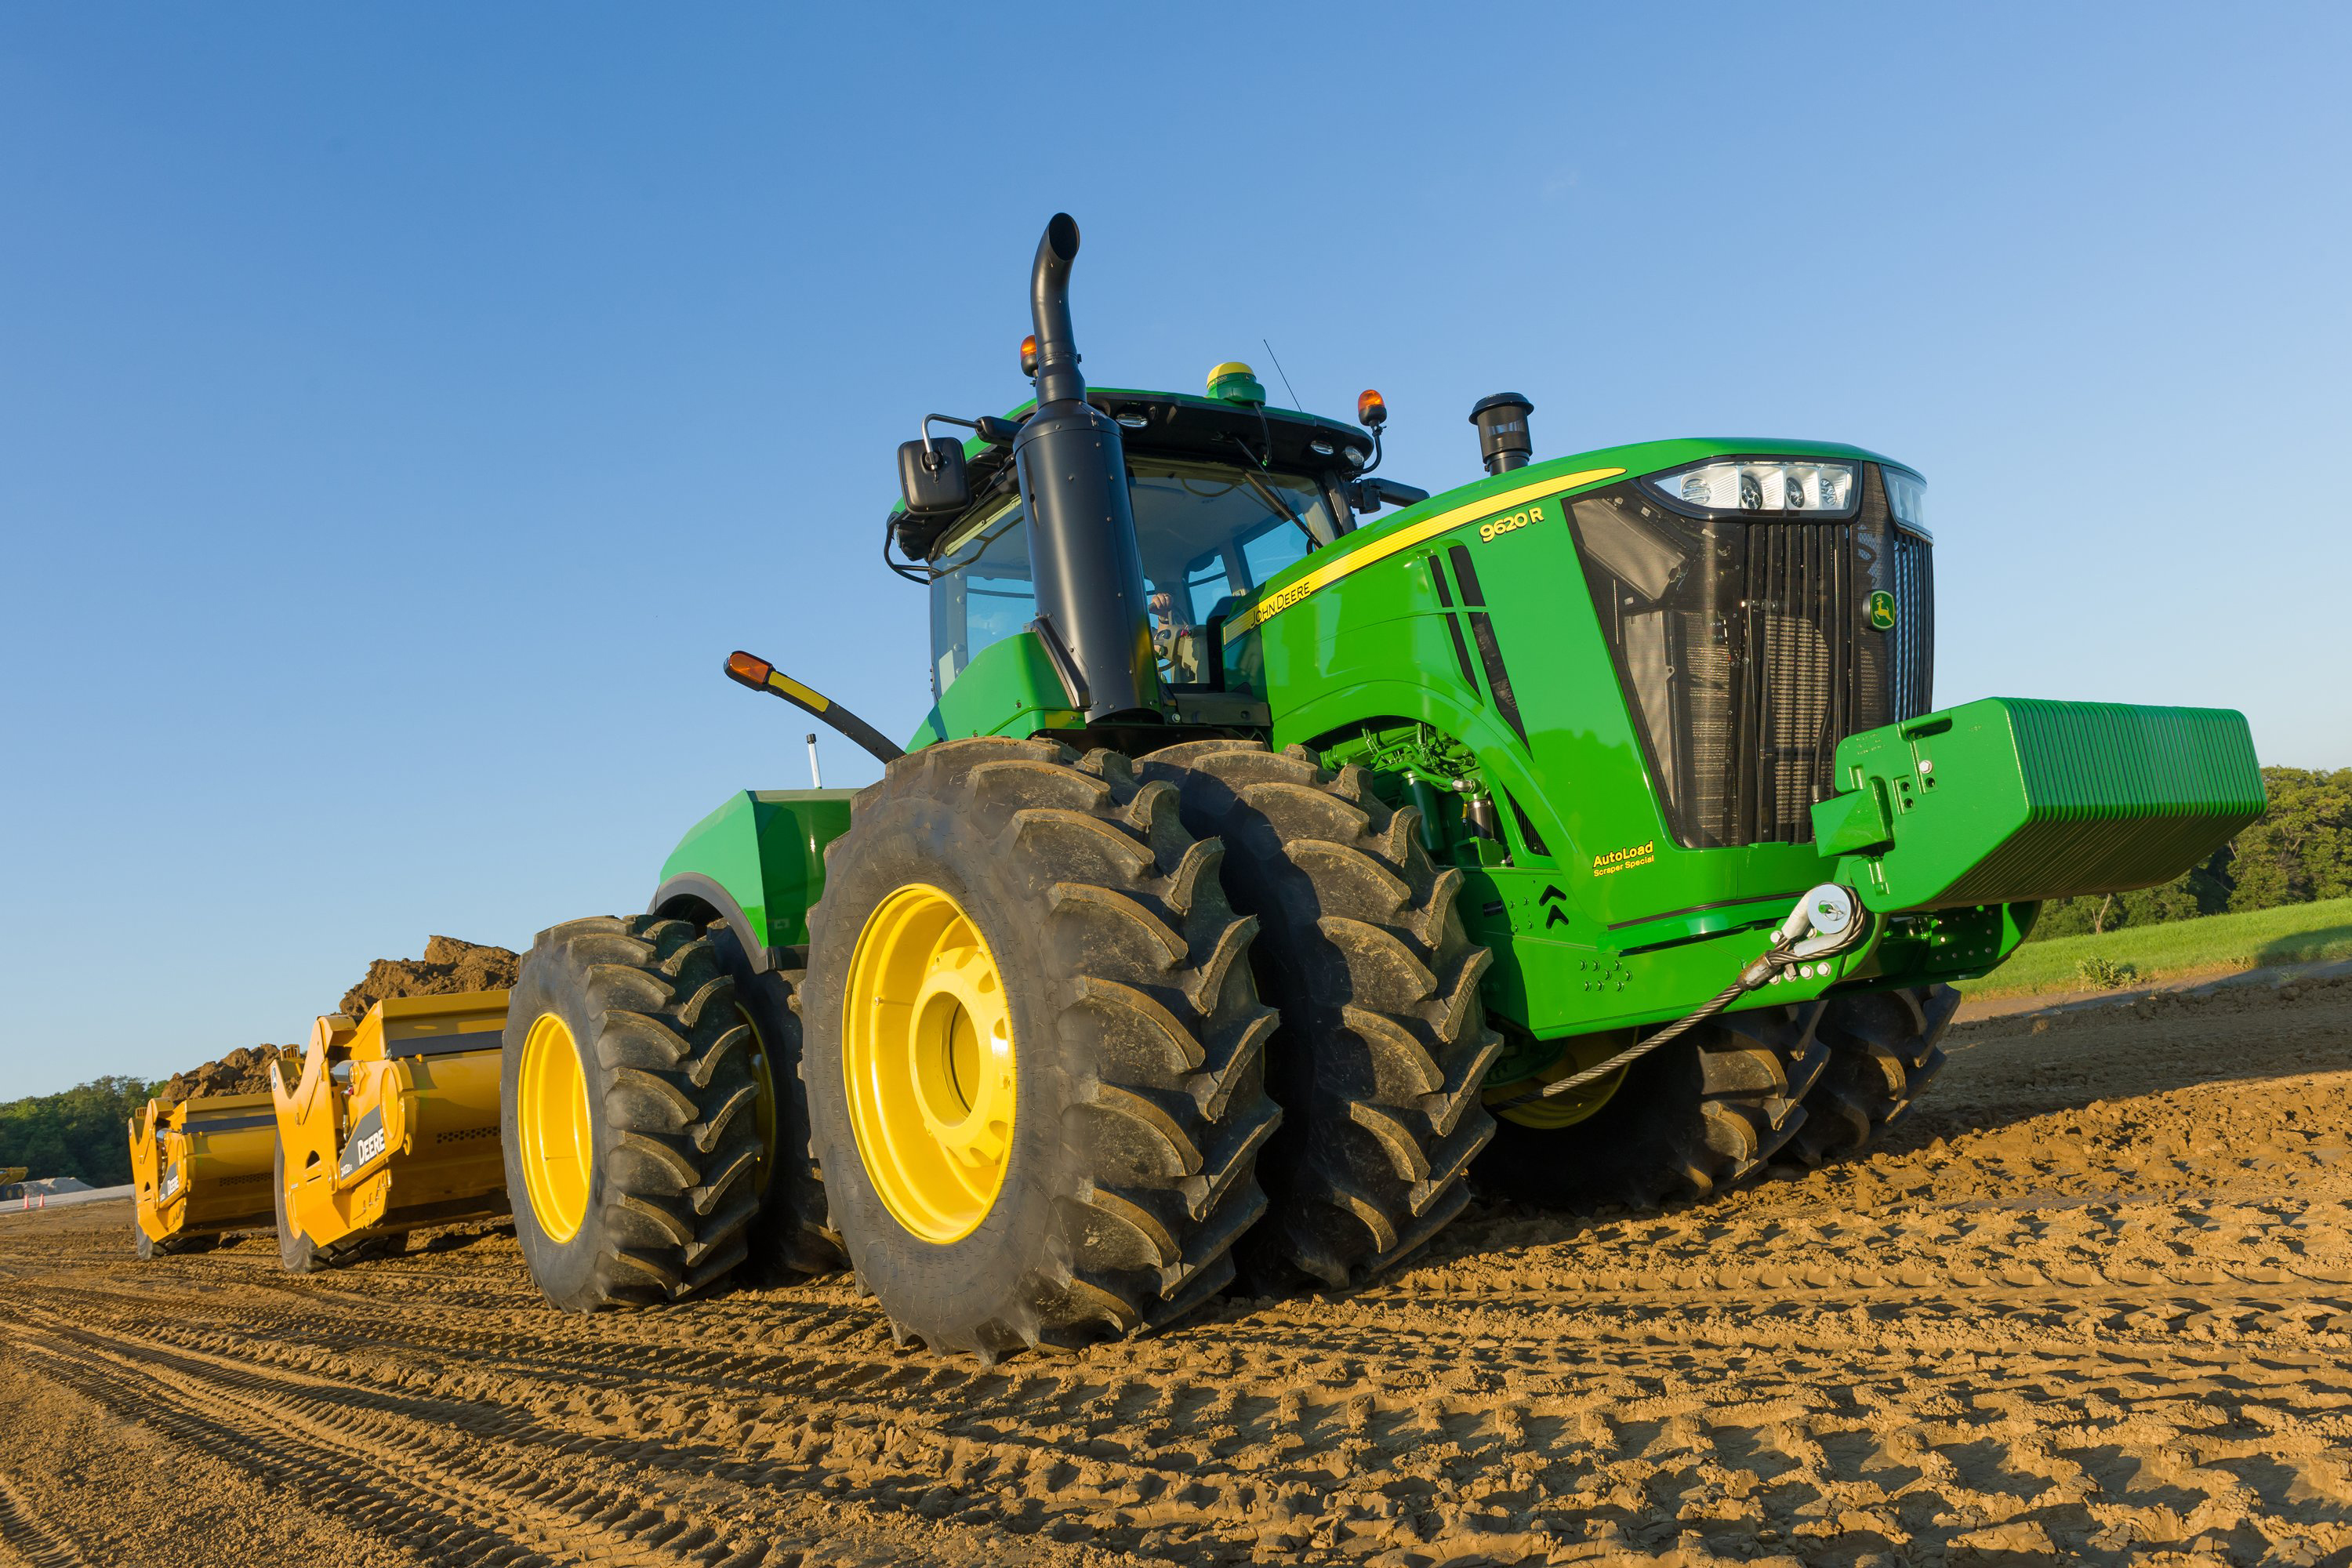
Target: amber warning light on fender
757 673
752 672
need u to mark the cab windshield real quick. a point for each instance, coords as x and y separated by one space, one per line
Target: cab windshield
1205 531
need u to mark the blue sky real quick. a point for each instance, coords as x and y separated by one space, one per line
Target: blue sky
404 409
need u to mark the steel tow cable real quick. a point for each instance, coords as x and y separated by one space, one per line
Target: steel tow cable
1827 911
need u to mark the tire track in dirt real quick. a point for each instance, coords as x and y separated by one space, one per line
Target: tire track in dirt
1456 1420
2096 1303
454 1512
23 1538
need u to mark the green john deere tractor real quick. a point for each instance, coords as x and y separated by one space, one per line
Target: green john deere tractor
1264 874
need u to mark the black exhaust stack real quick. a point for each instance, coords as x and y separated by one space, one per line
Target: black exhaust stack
1072 469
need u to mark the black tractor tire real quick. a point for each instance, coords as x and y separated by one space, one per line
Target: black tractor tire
1885 1047
1138 1075
1384 1043
1692 1118
145 1246
673 1111
793 1239
297 1253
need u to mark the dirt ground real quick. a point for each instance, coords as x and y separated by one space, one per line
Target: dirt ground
2095 1303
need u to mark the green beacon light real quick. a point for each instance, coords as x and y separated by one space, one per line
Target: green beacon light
1234 382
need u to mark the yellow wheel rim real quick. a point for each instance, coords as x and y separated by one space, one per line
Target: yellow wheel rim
763 1106
1564 1109
927 1058
557 1146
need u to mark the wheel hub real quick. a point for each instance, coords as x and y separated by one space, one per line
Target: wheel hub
1566 1110
763 1106
552 1125
929 1063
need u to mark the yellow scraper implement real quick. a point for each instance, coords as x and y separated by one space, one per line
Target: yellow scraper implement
200 1168
394 1121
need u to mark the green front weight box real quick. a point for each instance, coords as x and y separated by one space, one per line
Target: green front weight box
2009 800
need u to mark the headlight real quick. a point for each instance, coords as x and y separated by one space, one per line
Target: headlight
1760 484
1906 496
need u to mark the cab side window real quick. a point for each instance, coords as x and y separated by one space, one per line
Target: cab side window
983 593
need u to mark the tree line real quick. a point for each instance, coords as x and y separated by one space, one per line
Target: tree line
2296 852
85 1132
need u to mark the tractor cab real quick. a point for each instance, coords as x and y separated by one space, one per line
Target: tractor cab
1225 492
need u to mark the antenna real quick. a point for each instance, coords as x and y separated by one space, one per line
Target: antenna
1286 376
817 778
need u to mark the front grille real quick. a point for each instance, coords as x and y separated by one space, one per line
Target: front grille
1801 697
1914 625
1817 671
1747 651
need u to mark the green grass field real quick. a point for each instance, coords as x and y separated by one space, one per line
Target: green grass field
2291 933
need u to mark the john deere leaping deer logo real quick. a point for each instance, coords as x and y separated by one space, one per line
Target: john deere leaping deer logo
1881 610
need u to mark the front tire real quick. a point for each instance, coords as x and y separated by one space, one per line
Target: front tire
1883 1049
1692 1118
1384 1043
629 1111
1034 1052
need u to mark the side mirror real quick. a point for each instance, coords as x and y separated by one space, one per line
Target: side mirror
1369 494
931 476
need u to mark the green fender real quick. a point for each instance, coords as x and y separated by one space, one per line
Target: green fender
757 863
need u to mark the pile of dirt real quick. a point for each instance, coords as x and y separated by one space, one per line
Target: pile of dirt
242 1071
448 967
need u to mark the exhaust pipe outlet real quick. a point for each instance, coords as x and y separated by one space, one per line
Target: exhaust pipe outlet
1504 443
1058 380
1073 471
